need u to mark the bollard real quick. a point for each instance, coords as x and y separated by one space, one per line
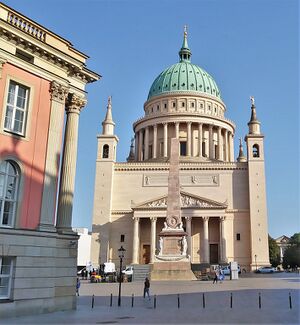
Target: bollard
154 302
231 300
178 301
259 300
203 300
93 301
132 299
290 300
110 300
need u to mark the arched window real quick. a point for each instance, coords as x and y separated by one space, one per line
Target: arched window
105 152
9 178
255 151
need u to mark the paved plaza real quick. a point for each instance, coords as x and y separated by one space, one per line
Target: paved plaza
274 290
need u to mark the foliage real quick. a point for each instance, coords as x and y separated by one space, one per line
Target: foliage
274 252
291 256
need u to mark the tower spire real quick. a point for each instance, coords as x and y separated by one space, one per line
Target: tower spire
108 123
241 157
185 52
253 124
131 152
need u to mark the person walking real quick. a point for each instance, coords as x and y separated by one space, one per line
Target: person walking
147 288
216 272
77 286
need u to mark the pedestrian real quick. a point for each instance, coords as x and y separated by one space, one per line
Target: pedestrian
82 274
221 276
77 286
86 274
147 288
216 272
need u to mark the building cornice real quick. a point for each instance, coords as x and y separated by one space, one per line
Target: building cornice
146 166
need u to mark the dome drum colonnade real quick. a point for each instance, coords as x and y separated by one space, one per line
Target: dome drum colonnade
184 102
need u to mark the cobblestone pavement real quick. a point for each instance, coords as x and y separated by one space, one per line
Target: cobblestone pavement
274 291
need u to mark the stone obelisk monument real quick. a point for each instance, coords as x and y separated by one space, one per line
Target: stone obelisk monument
172 262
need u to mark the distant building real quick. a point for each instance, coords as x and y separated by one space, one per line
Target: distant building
223 199
283 242
42 82
84 247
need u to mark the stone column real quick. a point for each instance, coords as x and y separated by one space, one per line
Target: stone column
136 147
223 258
153 238
146 143
188 221
141 145
58 98
165 139
226 158
205 240
189 138
231 146
154 141
177 130
136 240
211 142
220 143
200 139
74 105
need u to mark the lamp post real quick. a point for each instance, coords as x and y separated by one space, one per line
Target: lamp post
121 252
255 257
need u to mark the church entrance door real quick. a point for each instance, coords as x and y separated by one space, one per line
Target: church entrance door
146 254
214 253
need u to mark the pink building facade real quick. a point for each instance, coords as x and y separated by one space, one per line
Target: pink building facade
42 86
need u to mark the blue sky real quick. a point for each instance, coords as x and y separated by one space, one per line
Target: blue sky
250 47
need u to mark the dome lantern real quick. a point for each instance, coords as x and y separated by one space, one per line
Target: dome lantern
185 53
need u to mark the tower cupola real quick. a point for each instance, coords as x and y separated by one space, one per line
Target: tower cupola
108 123
253 124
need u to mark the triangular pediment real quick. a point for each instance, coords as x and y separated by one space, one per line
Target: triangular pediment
187 201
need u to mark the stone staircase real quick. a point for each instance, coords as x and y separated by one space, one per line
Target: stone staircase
140 272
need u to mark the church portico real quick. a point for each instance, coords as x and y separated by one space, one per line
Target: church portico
218 210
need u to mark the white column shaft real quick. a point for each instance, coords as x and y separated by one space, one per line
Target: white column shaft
153 239
220 144
189 138
165 139
200 140
211 142
177 130
205 240
140 145
154 141
226 146
189 235
136 239
222 240
146 143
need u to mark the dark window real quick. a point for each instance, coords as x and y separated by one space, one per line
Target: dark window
174 104
255 151
165 105
150 151
203 149
238 236
105 152
182 148
122 239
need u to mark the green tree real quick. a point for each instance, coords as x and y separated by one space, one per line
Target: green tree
291 257
274 252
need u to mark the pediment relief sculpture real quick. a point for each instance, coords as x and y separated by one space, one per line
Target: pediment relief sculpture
187 201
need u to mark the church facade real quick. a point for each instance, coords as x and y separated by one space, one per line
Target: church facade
223 199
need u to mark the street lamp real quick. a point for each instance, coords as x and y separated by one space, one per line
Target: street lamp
255 257
121 252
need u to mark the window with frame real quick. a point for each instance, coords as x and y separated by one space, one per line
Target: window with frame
16 108
6 272
9 178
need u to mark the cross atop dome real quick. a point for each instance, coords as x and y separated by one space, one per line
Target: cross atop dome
185 53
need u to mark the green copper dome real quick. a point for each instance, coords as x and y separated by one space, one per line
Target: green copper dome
184 76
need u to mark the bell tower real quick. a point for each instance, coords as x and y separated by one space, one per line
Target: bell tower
257 192
106 158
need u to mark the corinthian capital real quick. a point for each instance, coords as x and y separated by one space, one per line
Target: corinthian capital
75 103
58 92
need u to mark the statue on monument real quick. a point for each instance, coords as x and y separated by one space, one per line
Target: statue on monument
184 246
